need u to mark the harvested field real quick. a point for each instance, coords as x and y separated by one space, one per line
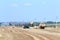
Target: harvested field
17 33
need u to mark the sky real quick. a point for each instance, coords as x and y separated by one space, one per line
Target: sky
29 10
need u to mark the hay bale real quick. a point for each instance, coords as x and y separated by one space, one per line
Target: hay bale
42 25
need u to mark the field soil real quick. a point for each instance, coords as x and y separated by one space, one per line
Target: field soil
18 33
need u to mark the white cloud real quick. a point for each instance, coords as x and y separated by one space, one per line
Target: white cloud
27 4
14 5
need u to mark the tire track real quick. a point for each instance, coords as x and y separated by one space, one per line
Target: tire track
22 31
33 34
39 36
15 31
45 35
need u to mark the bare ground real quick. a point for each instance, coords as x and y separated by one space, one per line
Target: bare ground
17 33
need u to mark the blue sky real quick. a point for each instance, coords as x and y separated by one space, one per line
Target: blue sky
29 10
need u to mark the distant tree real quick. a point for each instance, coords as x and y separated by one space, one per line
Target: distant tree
10 24
50 22
31 25
0 24
36 24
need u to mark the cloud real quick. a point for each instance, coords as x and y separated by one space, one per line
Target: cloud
27 4
14 5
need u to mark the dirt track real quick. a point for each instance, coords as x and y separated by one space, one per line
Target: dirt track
14 33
